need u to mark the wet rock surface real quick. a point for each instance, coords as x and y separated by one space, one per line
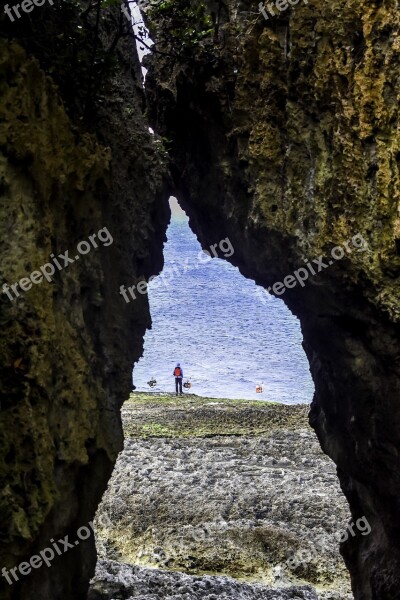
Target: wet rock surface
221 488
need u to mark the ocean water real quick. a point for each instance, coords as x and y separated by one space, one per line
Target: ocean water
209 318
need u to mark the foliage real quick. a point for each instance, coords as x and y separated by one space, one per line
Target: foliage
76 41
191 24
184 25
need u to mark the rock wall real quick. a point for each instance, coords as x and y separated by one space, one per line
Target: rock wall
284 137
68 345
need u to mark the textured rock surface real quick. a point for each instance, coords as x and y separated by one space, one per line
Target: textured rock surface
232 488
114 581
67 346
285 138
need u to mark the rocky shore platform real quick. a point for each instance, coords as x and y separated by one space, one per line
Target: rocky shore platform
227 499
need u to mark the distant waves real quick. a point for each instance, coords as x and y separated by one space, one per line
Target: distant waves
210 319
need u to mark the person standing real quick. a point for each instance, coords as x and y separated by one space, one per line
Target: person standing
178 374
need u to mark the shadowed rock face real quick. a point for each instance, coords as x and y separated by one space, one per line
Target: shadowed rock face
284 138
67 346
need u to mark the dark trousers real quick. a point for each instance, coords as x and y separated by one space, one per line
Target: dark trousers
178 382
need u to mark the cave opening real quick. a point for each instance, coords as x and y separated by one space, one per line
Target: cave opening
229 480
224 481
229 334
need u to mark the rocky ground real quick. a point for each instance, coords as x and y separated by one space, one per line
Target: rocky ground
220 499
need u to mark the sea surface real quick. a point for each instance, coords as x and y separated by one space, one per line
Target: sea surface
213 321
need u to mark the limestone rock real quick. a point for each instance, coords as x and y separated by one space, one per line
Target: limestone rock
233 488
286 140
115 581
